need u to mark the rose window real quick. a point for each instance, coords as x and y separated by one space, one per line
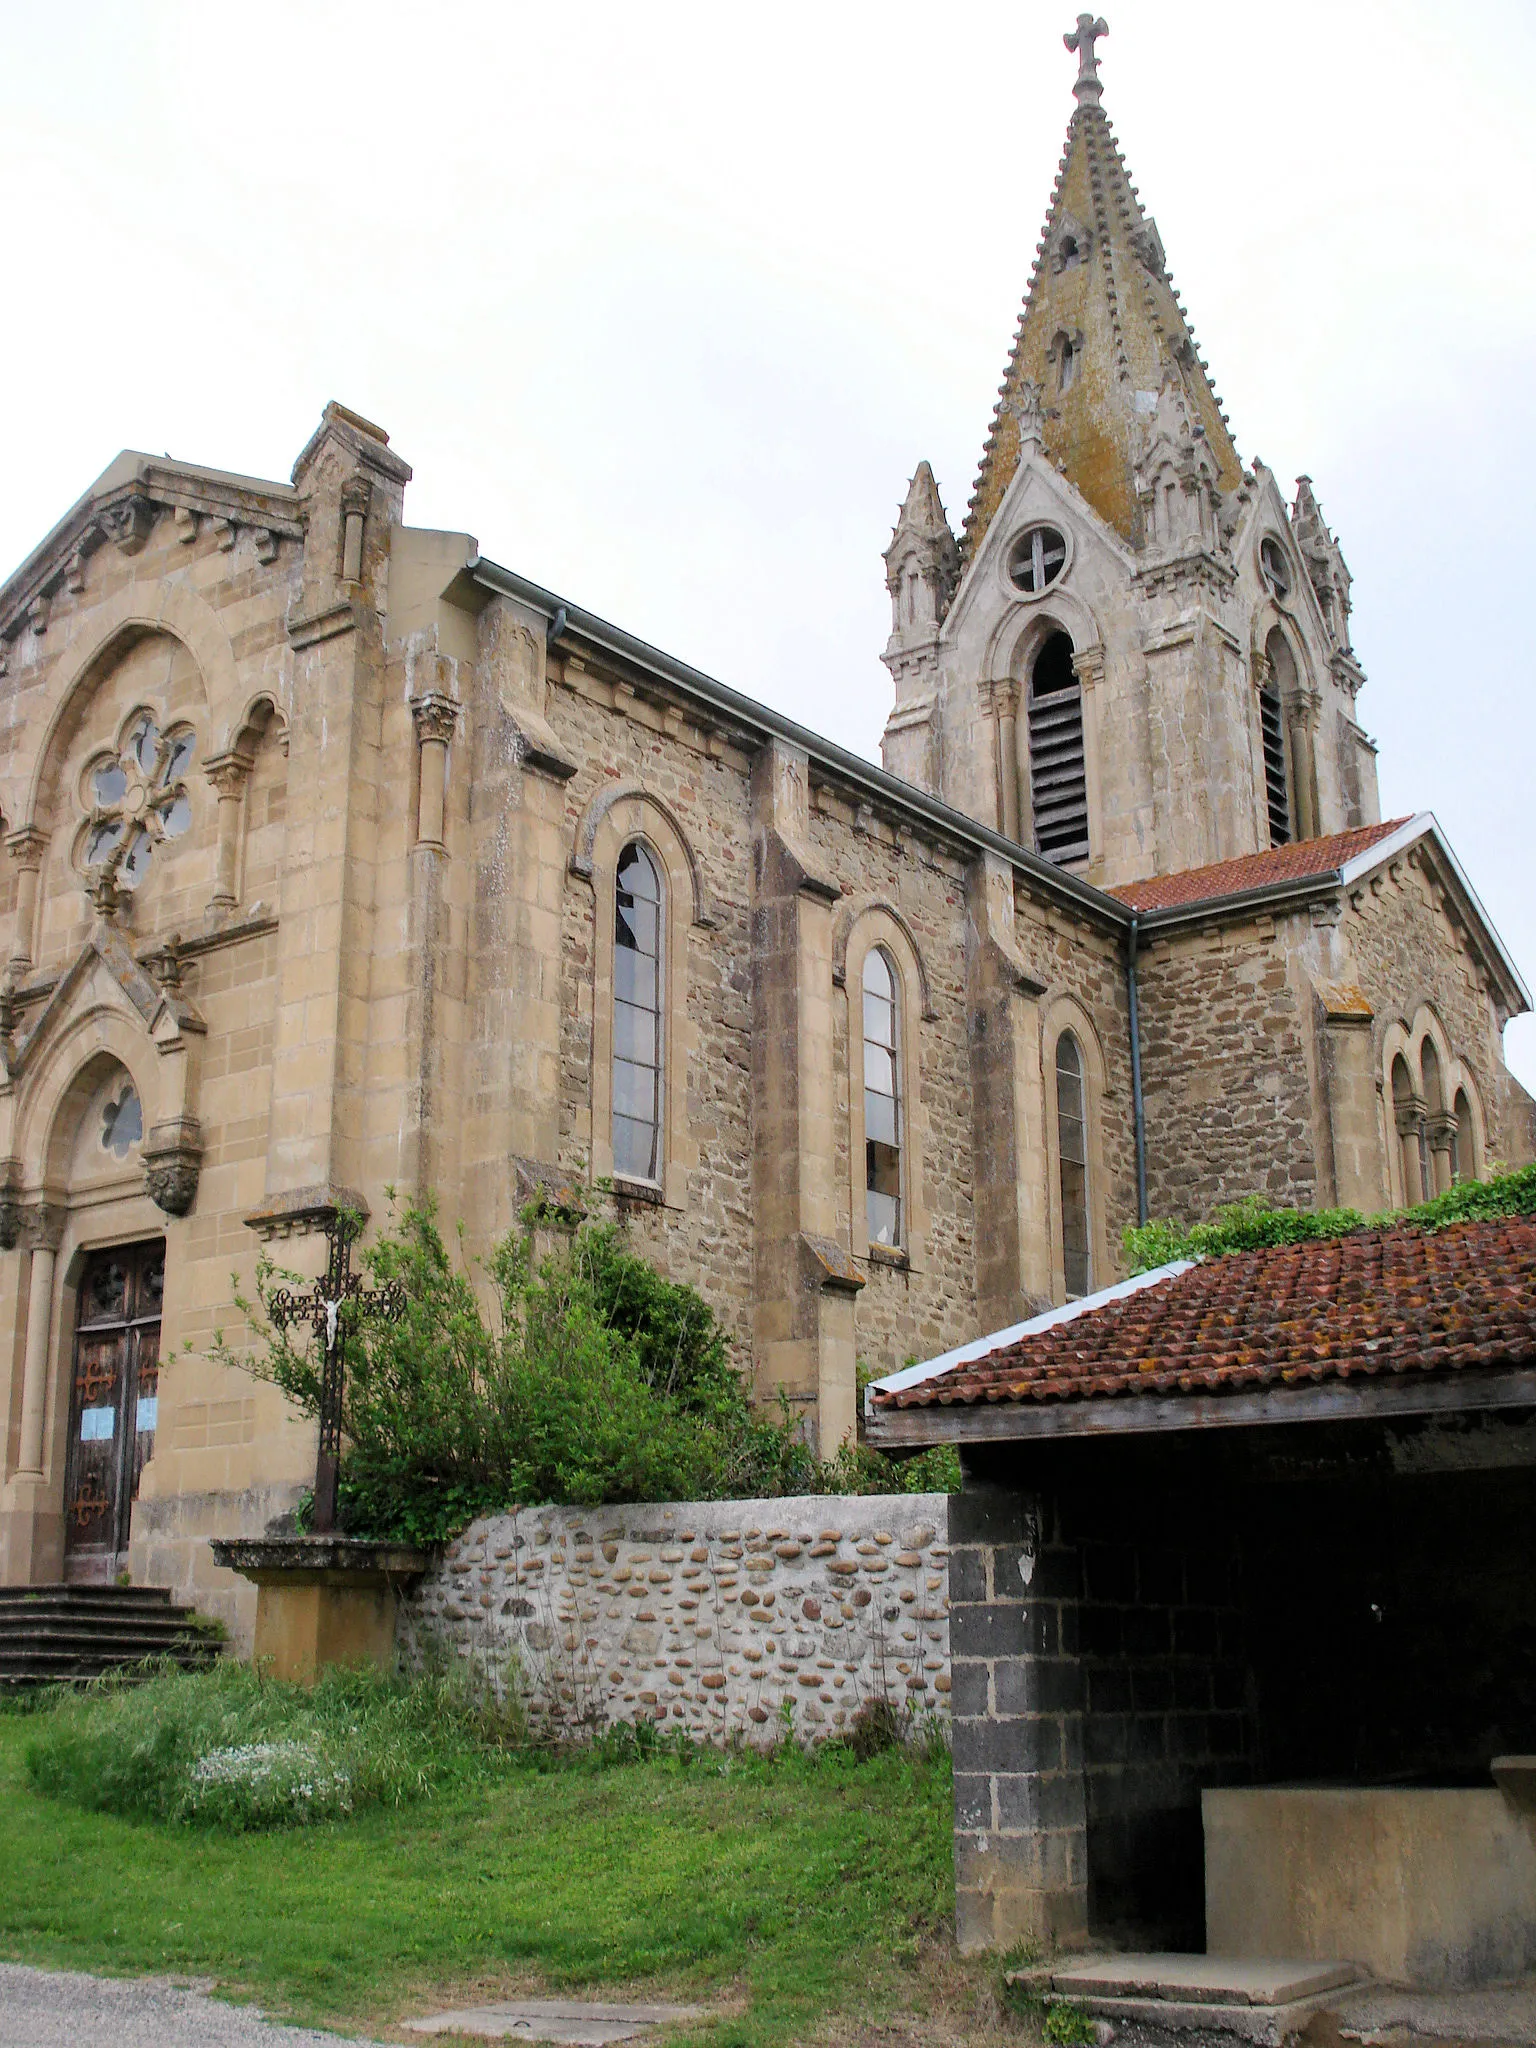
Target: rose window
138 800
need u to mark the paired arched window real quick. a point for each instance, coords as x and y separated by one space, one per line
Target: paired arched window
637 1016
1072 1156
882 1100
1058 774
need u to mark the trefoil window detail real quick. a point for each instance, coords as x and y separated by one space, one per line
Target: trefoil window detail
122 1122
882 1101
138 800
1072 1153
637 1016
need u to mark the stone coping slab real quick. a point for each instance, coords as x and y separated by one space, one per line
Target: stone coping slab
317 1560
1201 1980
579 2023
1515 1777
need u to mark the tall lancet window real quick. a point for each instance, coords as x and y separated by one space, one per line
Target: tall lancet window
637 1017
1058 779
882 1101
1072 1148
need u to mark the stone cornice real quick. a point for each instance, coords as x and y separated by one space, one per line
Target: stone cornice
118 510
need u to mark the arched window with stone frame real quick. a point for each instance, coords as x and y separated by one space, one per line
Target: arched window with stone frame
1058 770
876 959
638 1016
1464 1148
648 897
1073 1069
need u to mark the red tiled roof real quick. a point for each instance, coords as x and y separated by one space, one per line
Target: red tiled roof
1394 1301
1302 861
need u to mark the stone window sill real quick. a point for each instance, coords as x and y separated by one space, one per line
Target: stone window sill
890 1255
639 1191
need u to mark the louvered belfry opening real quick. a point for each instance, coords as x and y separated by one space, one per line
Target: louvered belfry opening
1272 724
1058 780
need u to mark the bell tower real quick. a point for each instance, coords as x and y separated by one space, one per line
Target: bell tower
1115 534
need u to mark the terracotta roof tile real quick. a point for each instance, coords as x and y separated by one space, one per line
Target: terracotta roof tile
1393 1301
1300 862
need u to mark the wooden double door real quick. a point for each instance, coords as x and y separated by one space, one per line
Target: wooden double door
113 1403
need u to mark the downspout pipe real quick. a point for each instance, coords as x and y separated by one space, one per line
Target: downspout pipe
1138 1108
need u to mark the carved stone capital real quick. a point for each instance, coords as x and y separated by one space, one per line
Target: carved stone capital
356 497
1410 1116
42 1225
227 773
1441 1132
10 1204
1088 666
435 716
27 847
173 1161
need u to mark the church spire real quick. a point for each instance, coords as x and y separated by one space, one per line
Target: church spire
1101 332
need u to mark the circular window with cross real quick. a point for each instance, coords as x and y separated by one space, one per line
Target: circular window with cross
138 799
1036 559
1273 566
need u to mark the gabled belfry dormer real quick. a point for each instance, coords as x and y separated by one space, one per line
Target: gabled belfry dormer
1137 659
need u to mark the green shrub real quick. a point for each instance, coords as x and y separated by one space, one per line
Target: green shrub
230 1749
1252 1224
594 1381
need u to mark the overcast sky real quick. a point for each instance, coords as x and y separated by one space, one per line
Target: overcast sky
664 304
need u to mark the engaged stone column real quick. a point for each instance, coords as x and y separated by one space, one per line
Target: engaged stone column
1441 1133
227 773
1021 1830
1410 1131
435 717
44 1227
26 848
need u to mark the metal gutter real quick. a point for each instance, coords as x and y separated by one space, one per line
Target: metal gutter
891 791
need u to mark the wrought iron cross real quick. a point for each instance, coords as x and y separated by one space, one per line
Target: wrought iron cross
322 1305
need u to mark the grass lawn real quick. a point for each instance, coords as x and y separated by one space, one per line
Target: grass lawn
797 1898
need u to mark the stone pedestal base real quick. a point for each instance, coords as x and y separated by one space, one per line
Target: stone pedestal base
322 1599
31 1534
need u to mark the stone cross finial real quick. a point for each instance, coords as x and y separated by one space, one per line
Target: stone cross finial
1082 39
1028 413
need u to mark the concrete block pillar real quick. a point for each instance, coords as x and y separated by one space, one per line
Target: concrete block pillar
1021 1854
806 1282
1013 1250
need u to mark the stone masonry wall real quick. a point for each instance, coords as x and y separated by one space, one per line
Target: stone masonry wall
1224 1052
723 1619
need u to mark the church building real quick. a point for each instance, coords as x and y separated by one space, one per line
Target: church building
339 858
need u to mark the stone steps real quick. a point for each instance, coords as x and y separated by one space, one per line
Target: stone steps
66 1634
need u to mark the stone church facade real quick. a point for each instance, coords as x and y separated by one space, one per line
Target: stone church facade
340 859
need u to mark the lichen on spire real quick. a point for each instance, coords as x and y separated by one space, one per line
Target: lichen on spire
1102 327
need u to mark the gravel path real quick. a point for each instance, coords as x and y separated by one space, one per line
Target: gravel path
61 2009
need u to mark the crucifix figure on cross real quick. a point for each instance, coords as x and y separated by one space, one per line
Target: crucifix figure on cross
1082 39
322 1305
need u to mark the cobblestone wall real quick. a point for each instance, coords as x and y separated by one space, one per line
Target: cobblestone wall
721 1618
